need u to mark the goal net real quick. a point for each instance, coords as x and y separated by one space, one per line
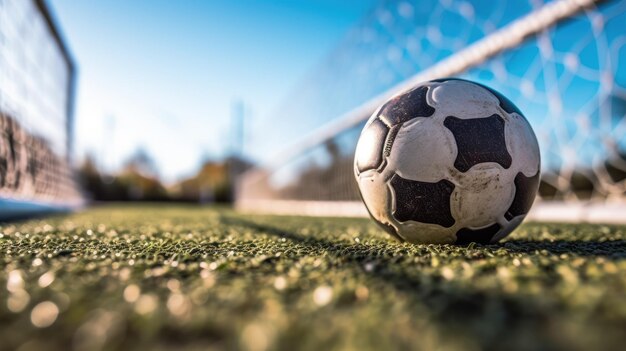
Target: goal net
562 62
36 100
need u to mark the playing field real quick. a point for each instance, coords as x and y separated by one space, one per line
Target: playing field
163 277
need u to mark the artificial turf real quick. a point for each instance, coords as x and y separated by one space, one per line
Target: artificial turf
183 277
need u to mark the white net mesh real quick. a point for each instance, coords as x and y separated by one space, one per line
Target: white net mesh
569 80
36 83
562 63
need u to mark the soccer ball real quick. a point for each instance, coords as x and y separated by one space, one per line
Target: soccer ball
449 161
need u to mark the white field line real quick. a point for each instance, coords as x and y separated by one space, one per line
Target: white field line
543 211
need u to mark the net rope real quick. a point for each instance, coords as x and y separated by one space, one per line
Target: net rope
561 62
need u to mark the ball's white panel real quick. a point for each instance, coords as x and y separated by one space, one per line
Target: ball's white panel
482 195
356 153
377 196
369 149
522 145
463 99
374 193
372 118
423 150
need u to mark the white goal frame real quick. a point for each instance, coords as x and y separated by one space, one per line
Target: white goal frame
471 56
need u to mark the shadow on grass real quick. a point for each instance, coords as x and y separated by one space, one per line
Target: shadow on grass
509 318
610 249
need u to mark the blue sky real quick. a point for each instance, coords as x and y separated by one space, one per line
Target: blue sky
163 75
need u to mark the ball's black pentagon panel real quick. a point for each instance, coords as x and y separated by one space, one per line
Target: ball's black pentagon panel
505 103
422 202
479 140
369 153
390 138
406 107
525 191
441 80
482 236
468 141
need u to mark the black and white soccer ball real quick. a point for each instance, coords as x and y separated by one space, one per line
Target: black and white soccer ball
449 161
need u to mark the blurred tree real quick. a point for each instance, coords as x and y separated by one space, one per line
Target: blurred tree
213 182
141 162
136 181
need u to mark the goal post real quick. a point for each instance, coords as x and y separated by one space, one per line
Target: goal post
561 62
37 80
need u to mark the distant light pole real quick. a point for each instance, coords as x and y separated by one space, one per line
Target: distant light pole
235 159
107 152
238 114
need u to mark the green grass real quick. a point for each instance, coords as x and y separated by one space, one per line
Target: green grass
157 277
